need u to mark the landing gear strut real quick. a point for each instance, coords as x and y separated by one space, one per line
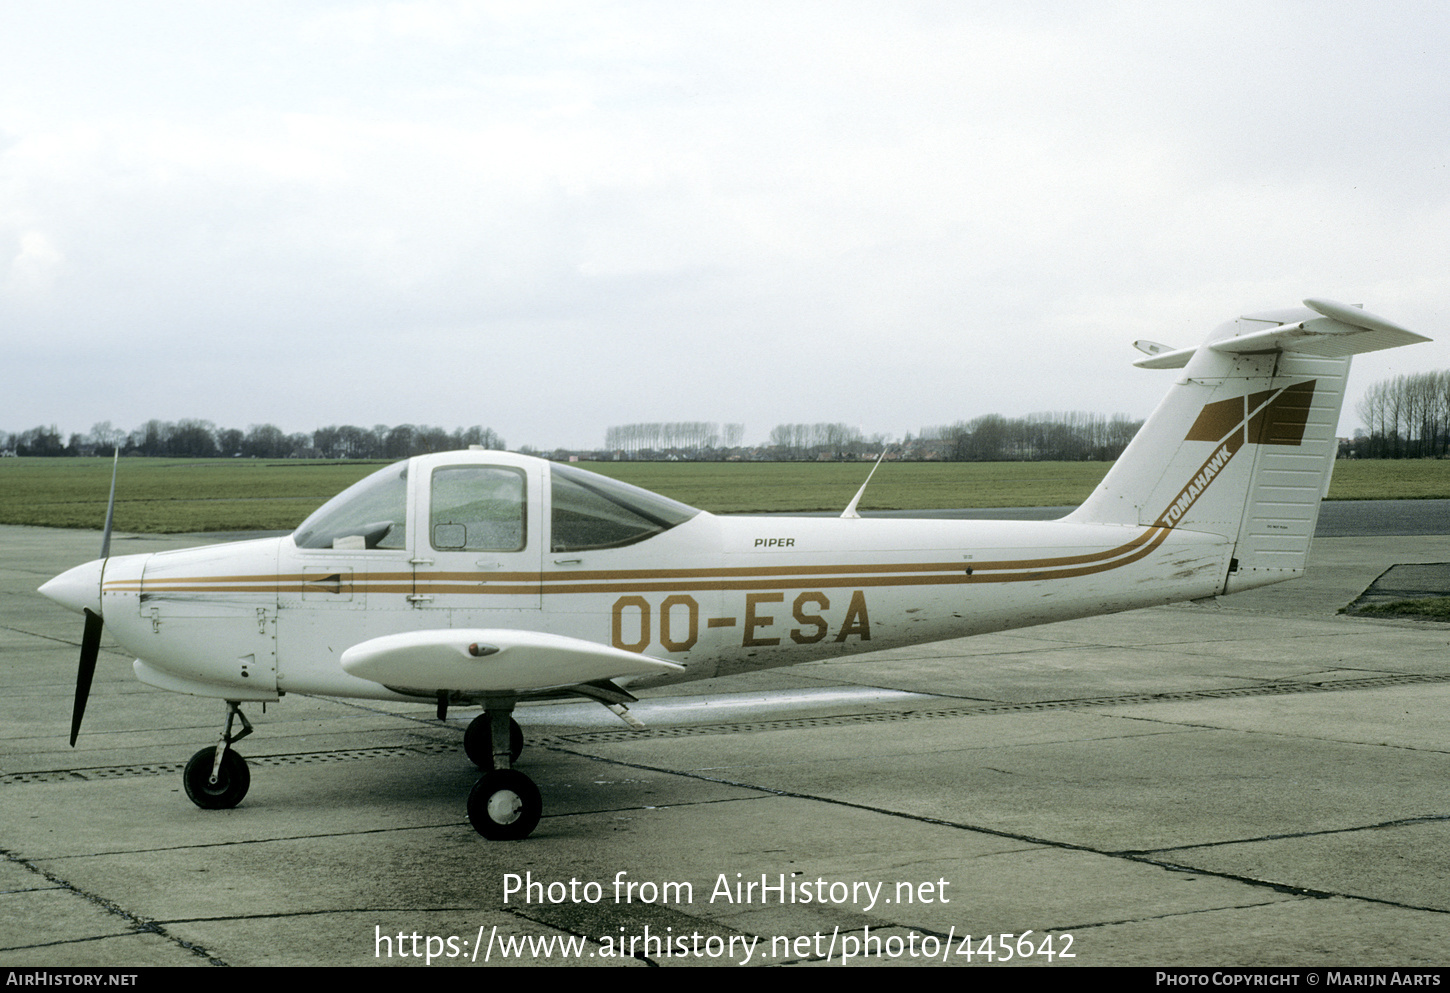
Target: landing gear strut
217 778
478 742
505 804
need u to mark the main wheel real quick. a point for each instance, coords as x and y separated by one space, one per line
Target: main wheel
478 742
232 782
505 805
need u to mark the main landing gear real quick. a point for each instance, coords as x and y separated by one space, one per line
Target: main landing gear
505 805
217 778
478 742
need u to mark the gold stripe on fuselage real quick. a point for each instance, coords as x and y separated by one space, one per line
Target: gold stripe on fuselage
666 580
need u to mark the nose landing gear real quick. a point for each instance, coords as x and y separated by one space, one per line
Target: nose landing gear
217 778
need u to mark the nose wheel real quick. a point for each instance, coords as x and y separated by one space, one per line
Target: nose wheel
217 778
215 787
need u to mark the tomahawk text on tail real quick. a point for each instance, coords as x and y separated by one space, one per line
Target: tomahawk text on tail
489 578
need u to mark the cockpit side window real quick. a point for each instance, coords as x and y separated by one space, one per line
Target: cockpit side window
477 508
594 511
371 513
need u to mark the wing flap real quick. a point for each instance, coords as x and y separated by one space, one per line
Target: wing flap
482 660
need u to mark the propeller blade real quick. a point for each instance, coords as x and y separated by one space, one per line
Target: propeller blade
110 505
90 648
91 637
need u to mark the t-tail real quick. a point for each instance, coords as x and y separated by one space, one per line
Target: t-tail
1244 444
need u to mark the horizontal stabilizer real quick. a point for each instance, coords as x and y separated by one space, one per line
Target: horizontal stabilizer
1356 317
1176 359
1152 347
492 660
1340 330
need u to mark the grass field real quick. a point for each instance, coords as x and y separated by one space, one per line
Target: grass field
166 496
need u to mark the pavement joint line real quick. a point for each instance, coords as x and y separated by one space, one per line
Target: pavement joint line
1167 916
137 923
50 637
1182 725
1288 888
355 833
1400 822
326 912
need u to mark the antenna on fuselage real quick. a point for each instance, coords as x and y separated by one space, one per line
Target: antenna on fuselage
850 511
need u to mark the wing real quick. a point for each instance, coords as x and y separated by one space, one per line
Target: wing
483 660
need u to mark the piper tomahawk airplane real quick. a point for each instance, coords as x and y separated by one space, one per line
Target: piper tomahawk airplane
487 578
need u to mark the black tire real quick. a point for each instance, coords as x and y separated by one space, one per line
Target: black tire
478 742
505 805
233 780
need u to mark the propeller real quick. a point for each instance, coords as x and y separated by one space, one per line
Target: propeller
91 636
90 648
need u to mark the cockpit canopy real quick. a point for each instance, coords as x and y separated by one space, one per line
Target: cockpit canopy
477 505
371 513
594 511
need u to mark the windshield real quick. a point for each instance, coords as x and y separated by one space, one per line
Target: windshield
371 513
594 511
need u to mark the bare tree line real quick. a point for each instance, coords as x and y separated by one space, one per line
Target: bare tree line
1407 417
1071 436
663 437
202 439
822 440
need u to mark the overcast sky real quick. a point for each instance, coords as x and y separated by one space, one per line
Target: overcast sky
549 218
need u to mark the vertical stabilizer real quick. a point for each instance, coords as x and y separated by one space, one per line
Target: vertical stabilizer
1244 444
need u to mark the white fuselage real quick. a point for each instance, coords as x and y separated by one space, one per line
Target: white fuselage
718 595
